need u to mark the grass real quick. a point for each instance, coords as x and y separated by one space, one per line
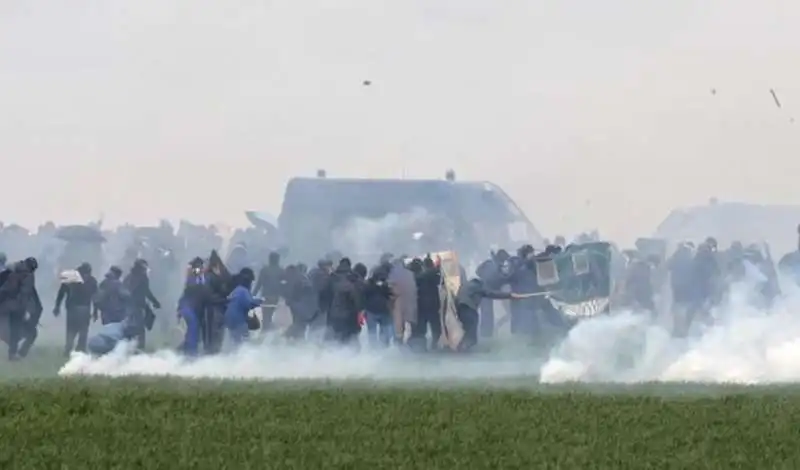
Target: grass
136 423
40 363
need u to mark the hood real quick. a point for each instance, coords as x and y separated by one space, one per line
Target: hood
343 271
21 267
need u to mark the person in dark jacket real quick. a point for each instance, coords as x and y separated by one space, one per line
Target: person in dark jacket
269 285
681 276
319 277
18 297
302 268
428 278
468 300
342 299
220 284
361 271
111 298
377 308
523 278
79 297
301 299
238 257
707 282
789 264
141 301
491 272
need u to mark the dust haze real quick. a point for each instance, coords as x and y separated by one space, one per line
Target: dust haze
134 108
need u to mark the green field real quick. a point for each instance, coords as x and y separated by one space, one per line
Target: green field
172 424
48 422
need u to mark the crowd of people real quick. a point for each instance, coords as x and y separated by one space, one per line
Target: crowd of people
398 301
696 278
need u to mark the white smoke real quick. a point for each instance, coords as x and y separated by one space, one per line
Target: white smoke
744 345
363 237
275 362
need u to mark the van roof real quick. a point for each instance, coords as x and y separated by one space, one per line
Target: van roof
331 192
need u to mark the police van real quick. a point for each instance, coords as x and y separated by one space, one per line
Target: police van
363 218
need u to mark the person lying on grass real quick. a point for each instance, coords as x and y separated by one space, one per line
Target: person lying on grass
109 337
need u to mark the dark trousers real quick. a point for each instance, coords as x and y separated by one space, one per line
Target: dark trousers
343 331
380 329
22 334
191 339
427 318
16 325
519 312
30 331
300 324
487 318
78 319
141 337
212 326
469 321
136 317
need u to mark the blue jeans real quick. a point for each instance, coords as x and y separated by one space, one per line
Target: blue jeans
380 328
237 333
191 339
100 345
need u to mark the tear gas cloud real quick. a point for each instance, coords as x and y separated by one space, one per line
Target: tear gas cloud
745 345
366 239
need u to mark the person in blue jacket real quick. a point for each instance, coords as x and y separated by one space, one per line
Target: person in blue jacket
240 302
109 336
191 306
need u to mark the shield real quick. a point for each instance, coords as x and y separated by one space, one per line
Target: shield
452 329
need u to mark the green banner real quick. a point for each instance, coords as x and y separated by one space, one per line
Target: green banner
578 280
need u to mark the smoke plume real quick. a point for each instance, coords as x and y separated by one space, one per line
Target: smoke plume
367 239
275 362
743 345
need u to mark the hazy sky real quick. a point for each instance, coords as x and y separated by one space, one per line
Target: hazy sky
588 113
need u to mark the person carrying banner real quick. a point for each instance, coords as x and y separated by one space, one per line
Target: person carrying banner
468 300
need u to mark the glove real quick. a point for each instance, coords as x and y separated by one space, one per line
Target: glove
56 311
157 305
94 316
